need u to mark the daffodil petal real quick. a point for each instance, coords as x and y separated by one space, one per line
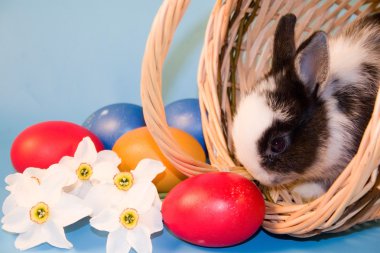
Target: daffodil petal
86 151
152 220
109 156
69 209
20 182
50 194
86 186
65 178
147 170
108 220
27 194
14 178
71 188
70 163
17 220
55 235
82 188
30 238
157 201
139 239
99 198
140 196
35 172
9 204
103 172
117 242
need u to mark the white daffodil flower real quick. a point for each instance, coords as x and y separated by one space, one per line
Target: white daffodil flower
90 167
35 176
130 223
115 188
39 211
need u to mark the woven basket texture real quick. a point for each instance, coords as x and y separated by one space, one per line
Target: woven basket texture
236 52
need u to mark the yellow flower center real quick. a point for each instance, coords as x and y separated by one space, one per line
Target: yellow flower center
39 213
123 180
129 218
84 171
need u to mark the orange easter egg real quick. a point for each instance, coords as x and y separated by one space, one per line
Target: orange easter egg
138 144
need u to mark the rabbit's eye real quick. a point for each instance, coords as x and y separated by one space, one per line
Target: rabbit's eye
278 144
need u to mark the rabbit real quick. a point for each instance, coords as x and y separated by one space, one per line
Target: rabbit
302 123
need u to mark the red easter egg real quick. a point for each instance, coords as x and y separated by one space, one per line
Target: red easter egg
44 144
214 210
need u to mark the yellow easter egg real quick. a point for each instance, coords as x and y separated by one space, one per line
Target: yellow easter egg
138 144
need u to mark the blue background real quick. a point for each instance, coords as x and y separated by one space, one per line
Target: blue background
62 60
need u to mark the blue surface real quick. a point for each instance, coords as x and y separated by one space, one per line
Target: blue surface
62 60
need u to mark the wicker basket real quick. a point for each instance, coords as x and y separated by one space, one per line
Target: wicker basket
237 49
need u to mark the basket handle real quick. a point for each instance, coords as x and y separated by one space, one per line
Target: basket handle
164 25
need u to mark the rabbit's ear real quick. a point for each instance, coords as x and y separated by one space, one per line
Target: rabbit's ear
312 61
284 47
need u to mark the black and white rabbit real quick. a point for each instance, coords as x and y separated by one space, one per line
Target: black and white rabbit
303 122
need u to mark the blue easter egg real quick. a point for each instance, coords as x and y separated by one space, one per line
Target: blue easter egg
112 121
185 114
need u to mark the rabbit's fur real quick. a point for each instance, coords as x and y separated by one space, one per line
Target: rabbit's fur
303 122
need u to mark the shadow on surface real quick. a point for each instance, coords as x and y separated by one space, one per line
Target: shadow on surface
77 225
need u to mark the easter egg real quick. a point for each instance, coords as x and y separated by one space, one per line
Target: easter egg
185 114
112 121
214 210
44 144
139 144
